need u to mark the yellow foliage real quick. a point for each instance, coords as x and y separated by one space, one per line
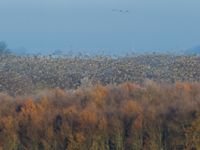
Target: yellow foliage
80 137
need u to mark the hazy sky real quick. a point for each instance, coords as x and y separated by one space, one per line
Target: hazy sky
92 25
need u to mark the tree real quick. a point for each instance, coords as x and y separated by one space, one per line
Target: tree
3 48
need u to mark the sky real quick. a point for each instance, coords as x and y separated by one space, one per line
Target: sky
93 26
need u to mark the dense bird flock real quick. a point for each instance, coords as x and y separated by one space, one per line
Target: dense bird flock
146 102
29 74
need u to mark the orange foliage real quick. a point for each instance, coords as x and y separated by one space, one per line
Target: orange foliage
7 122
102 124
185 87
88 117
111 117
29 106
80 137
70 110
138 123
129 87
99 95
131 108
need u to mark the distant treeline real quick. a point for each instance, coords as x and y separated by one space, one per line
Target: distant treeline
123 117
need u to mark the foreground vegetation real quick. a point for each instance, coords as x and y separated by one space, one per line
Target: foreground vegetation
28 74
123 117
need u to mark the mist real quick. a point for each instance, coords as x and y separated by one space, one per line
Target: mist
92 26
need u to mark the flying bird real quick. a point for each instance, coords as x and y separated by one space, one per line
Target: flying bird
120 11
